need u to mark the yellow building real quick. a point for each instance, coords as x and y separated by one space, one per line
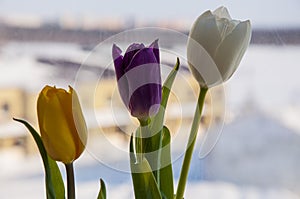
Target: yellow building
103 110
15 102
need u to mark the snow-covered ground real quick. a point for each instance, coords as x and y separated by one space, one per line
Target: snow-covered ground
22 176
256 157
267 79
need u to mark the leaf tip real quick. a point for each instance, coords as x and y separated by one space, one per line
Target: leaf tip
102 192
176 67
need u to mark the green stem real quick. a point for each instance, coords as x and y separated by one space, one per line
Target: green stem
140 141
190 146
70 180
144 122
159 160
150 138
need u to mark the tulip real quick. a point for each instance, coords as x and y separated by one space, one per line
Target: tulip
62 125
139 79
216 46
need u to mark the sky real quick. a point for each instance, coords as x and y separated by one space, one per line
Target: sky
262 13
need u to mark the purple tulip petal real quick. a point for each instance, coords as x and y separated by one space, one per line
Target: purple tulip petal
118 61
124 90
145 83
143 56
145 101
143 69
130 52
139 78
155 48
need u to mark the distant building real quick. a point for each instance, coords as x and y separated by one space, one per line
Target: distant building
15 102
103 109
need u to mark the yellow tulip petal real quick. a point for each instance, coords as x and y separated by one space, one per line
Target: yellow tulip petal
41 103
73 113
55 131
79 122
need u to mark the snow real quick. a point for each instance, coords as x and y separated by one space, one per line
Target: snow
25 173
10 130
21 69
290 117
268 77
256 150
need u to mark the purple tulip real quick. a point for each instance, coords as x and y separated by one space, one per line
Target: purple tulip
139 79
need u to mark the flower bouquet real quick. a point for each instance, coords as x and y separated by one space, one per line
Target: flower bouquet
215 47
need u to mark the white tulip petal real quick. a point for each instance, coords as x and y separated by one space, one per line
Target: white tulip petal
216 46
222 12
232 49
206 33
202 65
226 26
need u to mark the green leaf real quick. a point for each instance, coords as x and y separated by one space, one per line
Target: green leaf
166 173
149 163
158 119
56 178
102 192
153 143
53 179
144 183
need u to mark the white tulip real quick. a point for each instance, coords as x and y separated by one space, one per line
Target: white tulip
216 46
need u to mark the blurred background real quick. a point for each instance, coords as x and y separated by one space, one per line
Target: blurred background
257 111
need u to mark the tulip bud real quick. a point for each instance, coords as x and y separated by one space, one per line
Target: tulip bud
62 125
139 79
216 46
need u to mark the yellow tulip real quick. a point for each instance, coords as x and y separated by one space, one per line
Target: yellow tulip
62 125
216 45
